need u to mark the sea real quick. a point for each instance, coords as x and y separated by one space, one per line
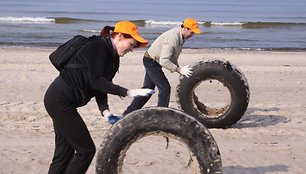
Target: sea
226 24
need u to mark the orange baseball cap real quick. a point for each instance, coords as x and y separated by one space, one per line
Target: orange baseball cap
192 24
131 29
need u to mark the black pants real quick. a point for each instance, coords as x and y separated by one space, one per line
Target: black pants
154 77
74 147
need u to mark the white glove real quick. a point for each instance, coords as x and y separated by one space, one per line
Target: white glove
110 117
140 92
186 71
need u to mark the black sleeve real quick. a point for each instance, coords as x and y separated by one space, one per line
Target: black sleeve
101 100
97 55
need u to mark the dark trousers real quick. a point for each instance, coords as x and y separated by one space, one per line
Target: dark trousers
74 147
154 77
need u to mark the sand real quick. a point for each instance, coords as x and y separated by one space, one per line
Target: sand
269 139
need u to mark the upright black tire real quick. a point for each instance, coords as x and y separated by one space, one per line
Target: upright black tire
144 122
227 74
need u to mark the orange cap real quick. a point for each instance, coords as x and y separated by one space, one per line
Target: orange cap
131 29
192 24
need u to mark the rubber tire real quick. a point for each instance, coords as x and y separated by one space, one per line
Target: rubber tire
226 73
146 121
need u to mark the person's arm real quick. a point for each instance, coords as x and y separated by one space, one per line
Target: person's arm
96 65
97 55
102 101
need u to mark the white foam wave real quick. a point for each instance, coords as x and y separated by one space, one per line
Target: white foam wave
152 22
27 20
91 31
227 23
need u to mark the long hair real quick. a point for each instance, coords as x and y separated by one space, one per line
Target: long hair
107 31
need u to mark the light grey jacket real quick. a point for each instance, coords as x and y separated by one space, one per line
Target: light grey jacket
166 49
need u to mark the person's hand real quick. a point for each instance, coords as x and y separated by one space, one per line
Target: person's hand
186 71
110 117
140 92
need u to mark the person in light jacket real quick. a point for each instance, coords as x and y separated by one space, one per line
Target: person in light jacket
164 53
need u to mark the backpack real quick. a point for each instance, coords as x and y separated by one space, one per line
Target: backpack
60 57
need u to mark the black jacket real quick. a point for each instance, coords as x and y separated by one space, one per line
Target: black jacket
96 79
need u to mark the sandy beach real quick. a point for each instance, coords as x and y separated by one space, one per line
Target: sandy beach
269 139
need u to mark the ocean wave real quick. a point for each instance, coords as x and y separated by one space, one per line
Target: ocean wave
90 31
254 24
67 20
44 20
143 23
229 24
270 24
153 22
207 24
226 23
32 20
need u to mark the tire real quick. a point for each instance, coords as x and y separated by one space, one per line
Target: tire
230 77
157 120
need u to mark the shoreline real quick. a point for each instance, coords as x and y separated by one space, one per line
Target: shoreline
186 48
